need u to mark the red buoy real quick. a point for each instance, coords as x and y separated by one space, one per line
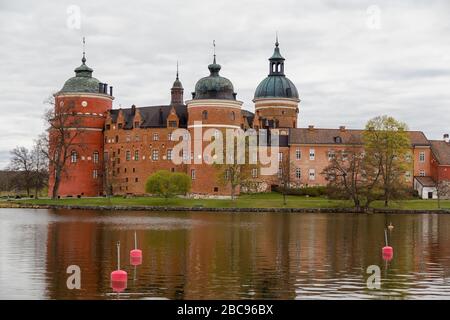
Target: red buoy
135 254
387 251
119 277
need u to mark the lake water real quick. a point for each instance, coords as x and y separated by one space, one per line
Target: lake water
200 255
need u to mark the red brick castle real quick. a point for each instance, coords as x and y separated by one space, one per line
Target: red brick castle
120 148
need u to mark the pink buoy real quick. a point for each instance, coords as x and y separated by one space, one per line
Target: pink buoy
135 254
119 277
387 251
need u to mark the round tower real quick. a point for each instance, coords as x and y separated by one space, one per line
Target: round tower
213 106
276 97
80 112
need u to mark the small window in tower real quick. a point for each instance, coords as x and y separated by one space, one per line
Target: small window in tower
205 115
74 157
95 157
232 116
128 155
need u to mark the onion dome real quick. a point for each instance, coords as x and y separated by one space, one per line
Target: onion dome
83 80
276 85
214 86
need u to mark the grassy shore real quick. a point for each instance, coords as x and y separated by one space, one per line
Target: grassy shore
265 200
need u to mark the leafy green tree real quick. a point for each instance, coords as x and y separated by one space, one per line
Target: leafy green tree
387 148
168 184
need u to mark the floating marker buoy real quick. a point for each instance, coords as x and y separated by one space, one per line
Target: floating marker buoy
119 277
135 254
387 251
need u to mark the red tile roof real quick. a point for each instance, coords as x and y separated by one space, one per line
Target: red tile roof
441 151
347 136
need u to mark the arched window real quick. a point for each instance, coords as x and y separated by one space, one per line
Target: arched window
232 116
73 156
205 115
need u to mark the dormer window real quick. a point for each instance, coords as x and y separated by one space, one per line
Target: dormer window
120 126
337 140
136 124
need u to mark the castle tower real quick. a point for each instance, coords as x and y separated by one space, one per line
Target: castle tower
86 101
276 97
213 106
177 91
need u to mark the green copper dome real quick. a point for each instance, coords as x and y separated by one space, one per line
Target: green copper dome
83 80
276 85
214 86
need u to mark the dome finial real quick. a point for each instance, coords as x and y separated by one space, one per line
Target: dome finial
276 42
83 60
214 50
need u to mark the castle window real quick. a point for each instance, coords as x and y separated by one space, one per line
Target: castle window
136 155
136 180
125 170
331 155
136 124
205 115
422 156
172 169
126 180
312 154
108 127
95 157
120 126
193 174
117 139
232 116
95 174
422 173
280 156
298 154
136 138
155 155
172 124
255 173
128 155
118 160
298 173
169 136
312 174
118 170
128 138
227 174
155 137
216 189
73 157
169 154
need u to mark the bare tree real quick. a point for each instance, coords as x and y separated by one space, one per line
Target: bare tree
39 166
22 164
443 191
64 136
284 174
351 177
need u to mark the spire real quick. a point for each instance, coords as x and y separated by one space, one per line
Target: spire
83 60
177 91
214 68
214 50
276 43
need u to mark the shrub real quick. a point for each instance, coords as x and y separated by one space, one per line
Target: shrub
167 184
305 191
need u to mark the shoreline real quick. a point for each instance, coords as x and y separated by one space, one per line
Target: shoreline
14 205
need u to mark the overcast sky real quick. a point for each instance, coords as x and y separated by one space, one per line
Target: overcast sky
350 61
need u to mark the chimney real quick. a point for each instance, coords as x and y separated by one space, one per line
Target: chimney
310 127
105 88
111 91
342 128
446 138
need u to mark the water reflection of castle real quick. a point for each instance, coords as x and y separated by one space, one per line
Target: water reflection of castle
200 255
